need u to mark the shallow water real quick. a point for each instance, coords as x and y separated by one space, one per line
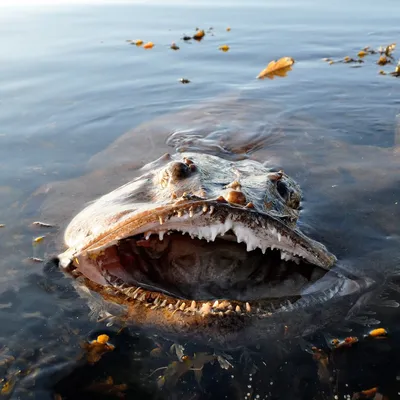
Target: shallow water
70 85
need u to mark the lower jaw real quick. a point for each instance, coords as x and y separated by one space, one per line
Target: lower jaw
218 325
138 302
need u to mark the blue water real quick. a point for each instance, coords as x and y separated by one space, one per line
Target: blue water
71 84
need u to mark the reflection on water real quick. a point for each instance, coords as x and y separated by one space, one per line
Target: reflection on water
82 110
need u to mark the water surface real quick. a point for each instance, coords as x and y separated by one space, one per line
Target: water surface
70 85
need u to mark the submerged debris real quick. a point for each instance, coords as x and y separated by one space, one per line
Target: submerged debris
347 342
176 369
365 394
377 333
174 46
2 225
322 360
184 80
97 348
108 387
277 68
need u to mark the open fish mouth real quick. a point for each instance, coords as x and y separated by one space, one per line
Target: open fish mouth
200 257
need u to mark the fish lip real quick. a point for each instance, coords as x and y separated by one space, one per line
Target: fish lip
215 209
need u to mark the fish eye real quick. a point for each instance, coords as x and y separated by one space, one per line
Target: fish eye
178 170
174 172
283 190
289 196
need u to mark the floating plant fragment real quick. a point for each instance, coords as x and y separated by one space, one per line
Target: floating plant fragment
135 42
42 224
383 60
148 45
396 72
224 48
365 51
349 60
387 50
228 29
184 80
2 225
35 260
277 68
38 239
174 46
199 35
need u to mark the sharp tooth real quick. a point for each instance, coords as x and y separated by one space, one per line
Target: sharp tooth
205 208
191 212
248 308
171 306
179 213
157 300
161 220
215 305
177 303
263 250
147 235
223 305
237 309
142 297
161 235
182 307
279 237
205 308
164 303
193 305
211 210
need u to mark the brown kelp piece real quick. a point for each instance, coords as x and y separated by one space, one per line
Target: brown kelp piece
277 68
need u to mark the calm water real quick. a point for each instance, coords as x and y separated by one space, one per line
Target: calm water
70 85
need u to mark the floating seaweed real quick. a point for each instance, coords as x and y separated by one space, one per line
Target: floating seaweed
277 68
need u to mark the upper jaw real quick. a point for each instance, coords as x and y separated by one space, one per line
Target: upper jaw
206 219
